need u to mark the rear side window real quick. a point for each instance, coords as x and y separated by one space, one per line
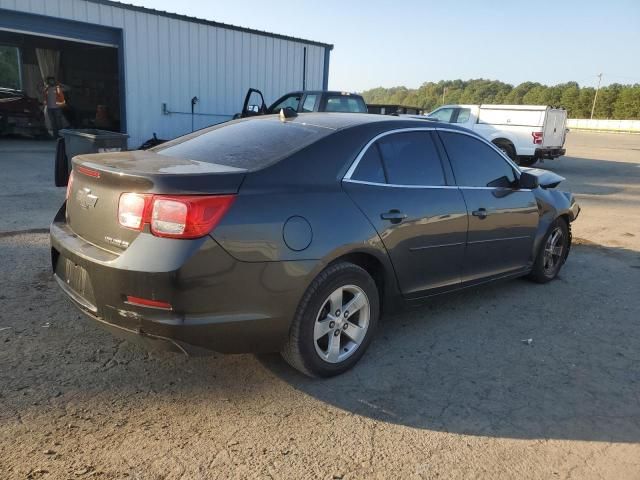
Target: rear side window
309 103
442 115
476 164
343 103
463 115
411 158
250 144
370 167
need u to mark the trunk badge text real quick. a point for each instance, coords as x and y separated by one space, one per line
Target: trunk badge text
116 241
86 199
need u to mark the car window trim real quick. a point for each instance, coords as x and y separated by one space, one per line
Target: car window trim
486 142
354 164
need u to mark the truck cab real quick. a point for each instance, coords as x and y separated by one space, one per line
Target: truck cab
303 101
525 133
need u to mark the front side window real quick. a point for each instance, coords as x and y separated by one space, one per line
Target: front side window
476 164
292 102
411 158
442 115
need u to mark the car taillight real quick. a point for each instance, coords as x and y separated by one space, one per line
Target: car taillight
173 216
69 186
132 208
537 137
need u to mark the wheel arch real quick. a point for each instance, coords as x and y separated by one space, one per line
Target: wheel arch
380 270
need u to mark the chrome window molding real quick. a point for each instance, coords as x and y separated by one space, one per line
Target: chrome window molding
354 165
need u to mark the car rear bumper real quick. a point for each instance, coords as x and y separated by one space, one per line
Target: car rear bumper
549 152
217 302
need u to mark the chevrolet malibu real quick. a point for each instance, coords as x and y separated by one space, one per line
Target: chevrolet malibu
292 234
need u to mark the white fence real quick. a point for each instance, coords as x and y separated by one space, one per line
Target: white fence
604 125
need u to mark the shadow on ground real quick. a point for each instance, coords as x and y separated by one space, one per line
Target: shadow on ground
457 364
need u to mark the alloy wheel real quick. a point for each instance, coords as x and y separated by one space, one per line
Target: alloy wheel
342 323
553 251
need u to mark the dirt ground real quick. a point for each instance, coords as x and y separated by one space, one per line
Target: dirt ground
448 390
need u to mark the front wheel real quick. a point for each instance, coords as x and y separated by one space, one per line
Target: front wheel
552 253
334 323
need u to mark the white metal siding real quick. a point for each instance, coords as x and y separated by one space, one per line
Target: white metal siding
170 60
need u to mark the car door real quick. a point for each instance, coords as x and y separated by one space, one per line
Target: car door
443 114
503 218
398 181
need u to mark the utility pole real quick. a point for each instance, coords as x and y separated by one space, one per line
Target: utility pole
596 95
444 92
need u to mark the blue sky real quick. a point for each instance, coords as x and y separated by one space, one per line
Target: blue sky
408 42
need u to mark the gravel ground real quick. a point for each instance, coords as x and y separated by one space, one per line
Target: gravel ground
448 390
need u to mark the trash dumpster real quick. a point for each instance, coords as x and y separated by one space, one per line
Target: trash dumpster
83 141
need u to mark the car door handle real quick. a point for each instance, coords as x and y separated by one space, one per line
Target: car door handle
394 216
480 213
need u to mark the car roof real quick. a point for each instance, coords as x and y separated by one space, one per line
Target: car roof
339 121
323 92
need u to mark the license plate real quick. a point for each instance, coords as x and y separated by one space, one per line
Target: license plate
76 277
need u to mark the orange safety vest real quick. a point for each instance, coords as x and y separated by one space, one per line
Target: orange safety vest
60 100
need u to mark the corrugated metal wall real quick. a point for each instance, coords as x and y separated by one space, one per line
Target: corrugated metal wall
169 60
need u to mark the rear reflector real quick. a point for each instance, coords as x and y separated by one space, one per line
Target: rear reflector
173 216
88 171
145 302
537 137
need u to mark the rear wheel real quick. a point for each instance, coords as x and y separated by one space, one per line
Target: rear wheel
334 323
508 149
552 253
61 168
527 161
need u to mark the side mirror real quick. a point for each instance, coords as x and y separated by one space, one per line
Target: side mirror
528 181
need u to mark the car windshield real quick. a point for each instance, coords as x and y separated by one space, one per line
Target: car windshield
249 144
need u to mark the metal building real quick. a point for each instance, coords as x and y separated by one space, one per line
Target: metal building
144 66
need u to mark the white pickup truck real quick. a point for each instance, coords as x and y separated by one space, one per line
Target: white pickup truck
526 133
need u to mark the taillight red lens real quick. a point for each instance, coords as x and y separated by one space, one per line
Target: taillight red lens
188 216
69 186
537 137
173 216
131 210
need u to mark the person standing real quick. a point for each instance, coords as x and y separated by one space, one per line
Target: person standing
54 101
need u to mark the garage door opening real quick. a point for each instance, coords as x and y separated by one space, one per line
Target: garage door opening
89 76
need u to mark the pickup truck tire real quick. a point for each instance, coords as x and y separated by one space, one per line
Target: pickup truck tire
508 148
526 161
552 253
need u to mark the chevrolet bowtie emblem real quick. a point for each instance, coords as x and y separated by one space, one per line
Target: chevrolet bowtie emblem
86 199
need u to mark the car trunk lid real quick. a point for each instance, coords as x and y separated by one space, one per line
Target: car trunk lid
99 181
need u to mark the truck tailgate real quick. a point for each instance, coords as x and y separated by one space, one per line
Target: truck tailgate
554 129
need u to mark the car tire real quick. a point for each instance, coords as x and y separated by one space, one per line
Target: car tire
318 354
508 149
552 253
527 161
61 168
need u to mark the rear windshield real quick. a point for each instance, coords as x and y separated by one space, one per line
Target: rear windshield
251 144
343 103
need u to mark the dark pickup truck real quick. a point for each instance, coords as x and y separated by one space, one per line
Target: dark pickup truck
303 101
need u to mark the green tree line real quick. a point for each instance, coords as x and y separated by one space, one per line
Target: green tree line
614 101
